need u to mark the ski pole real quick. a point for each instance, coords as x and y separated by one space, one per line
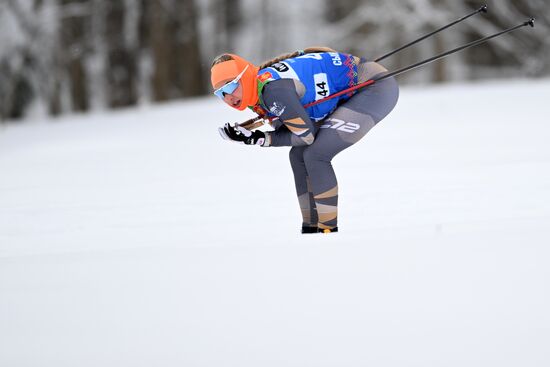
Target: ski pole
530 22
258 121
482 9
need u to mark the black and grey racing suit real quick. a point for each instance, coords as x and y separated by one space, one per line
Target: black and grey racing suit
314 144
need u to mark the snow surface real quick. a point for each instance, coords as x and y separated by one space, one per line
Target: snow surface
140 238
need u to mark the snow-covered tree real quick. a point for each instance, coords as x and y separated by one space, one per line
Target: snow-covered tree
75 55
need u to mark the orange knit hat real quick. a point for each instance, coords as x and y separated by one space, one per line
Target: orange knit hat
228 70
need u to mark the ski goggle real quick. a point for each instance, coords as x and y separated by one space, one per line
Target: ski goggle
229 87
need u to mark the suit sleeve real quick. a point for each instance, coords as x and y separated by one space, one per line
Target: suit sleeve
280 97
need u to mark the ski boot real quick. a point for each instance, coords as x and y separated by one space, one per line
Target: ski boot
309 229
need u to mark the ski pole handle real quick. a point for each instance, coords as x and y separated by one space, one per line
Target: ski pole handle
255 123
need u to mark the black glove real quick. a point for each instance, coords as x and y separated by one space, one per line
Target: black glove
242 135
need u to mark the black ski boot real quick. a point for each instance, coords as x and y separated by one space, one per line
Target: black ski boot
309 229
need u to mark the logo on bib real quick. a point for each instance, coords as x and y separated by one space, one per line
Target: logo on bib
280 67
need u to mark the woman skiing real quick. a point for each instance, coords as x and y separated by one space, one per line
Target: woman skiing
280 88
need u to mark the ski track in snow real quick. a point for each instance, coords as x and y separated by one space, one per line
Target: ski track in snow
140 238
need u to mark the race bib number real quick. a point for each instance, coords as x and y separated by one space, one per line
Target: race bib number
322 89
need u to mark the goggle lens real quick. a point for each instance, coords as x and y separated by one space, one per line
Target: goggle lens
227 89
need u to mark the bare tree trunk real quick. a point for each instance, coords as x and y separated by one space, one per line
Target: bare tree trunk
161 51
74 46
121 59
176 51
54 99
439 69
227 16
18 71
187 67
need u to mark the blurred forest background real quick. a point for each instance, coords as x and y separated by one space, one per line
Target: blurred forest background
59 56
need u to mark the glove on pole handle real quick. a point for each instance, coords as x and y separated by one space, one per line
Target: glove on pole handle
482 9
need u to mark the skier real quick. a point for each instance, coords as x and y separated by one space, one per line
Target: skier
280 88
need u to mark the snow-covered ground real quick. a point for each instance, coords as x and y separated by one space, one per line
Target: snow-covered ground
140 238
